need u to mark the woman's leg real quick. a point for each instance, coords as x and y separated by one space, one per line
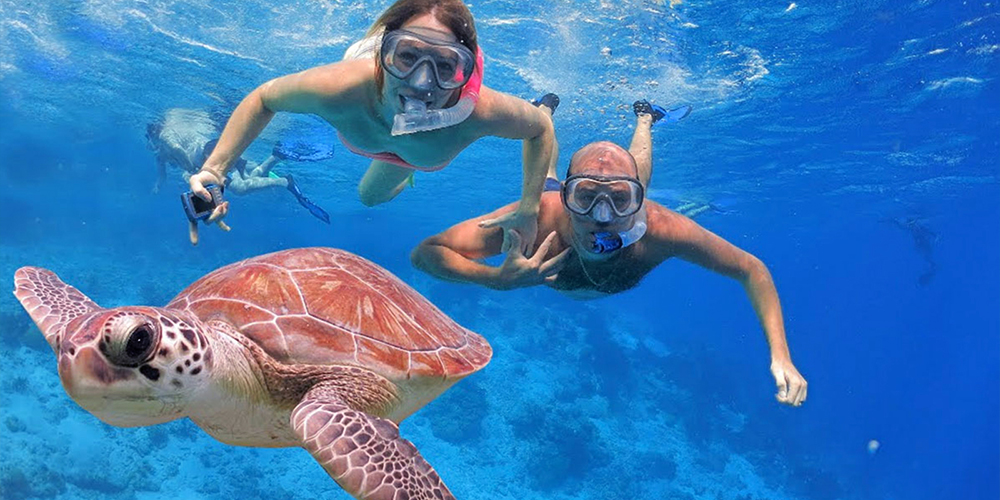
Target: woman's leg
244 185
642 148
264 169
382 182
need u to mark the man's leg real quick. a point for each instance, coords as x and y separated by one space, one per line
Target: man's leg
642 148
555 146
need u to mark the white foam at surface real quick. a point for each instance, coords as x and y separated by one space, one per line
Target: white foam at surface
945 83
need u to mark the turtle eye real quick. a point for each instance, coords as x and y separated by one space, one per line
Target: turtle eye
139 342
135 349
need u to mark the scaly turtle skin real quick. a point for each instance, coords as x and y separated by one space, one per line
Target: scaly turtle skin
312 347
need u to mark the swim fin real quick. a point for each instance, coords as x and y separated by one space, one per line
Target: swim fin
659 113
549 100
676 114
314 209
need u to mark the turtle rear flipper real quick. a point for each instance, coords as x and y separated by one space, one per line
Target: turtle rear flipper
363 453
50 302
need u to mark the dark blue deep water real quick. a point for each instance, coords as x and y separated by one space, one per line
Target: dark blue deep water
852 146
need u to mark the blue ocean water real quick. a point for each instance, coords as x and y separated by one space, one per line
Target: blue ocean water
852 146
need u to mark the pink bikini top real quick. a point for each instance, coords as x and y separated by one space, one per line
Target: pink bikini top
391 158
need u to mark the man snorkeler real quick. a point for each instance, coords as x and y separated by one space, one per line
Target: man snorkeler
598 235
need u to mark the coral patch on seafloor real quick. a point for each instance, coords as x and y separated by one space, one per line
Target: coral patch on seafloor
567 446
457 415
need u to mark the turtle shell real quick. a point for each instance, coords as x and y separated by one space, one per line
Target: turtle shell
323 306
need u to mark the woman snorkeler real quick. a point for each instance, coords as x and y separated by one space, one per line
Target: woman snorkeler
409 96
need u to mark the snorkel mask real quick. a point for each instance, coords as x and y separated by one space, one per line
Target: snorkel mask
427 63
603 199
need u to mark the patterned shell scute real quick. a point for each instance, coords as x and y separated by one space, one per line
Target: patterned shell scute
328 306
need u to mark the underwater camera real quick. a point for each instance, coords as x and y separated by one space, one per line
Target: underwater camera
198 209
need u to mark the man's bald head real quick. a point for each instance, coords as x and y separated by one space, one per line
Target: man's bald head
604 159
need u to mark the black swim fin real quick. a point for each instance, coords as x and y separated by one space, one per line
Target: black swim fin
314 209
549 100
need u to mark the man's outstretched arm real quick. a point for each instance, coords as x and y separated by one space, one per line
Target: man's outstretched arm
453 255
686 239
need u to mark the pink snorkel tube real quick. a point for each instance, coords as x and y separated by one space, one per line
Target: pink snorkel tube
420 119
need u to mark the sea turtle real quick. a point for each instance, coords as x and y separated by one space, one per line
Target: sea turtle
311 347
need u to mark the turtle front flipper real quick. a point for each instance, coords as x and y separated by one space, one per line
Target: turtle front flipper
50 302
362 452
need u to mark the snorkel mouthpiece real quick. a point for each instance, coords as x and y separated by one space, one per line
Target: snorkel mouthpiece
413 106
414 114
605 242
417 118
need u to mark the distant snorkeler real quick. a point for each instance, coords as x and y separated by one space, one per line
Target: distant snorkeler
923 240
598 235
184 138
410 96
690 207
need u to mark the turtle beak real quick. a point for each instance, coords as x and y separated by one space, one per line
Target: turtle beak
106 391
86 375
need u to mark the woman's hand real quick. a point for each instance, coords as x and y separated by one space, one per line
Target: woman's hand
525 224
198 182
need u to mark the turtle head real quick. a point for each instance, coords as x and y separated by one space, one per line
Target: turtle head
133 366
128 366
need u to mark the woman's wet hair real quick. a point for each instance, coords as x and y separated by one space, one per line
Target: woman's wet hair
451 13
